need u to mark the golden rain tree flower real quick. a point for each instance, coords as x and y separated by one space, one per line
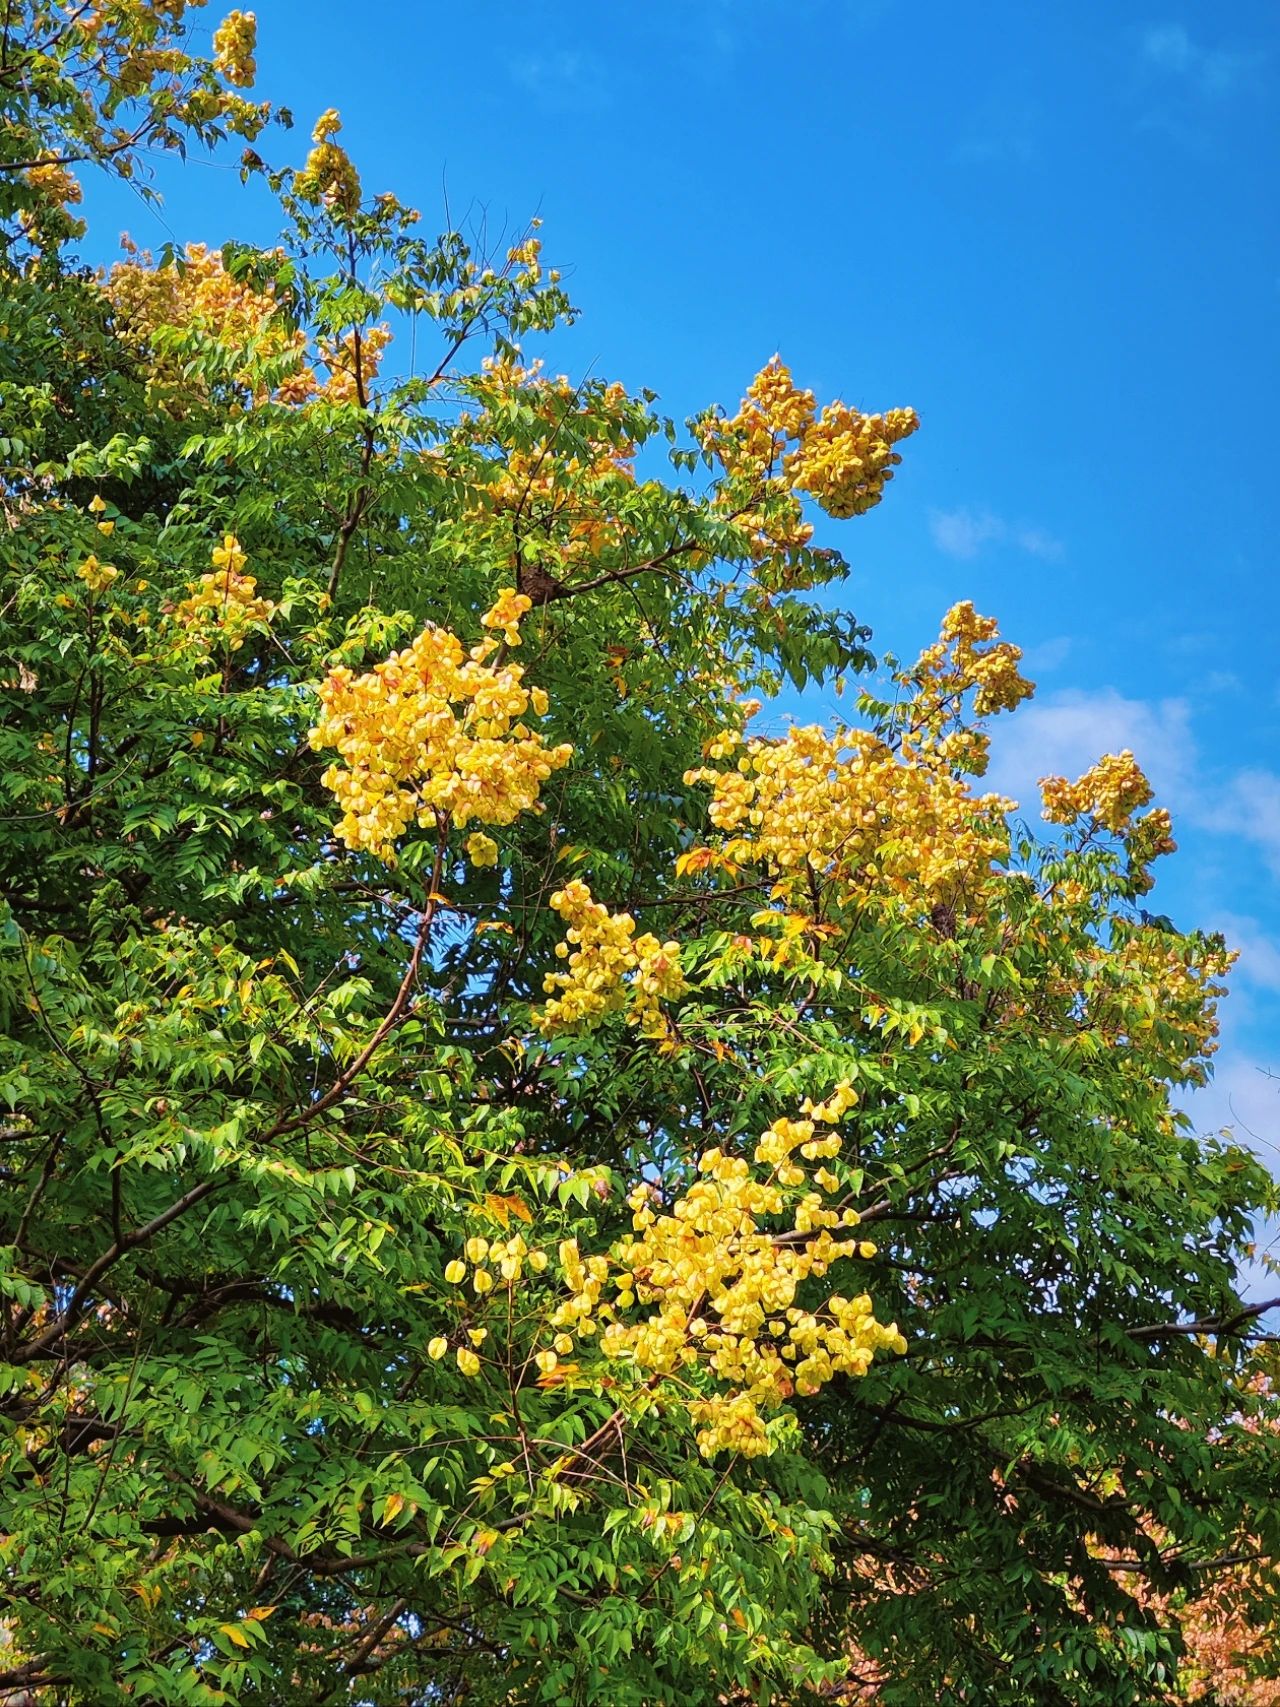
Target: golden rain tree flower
701 1303
433 733
885 815
95 575
224 606
234 44
611 969
718 1284
481 849
329 175
204 296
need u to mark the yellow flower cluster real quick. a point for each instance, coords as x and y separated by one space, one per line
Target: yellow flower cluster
967 656
775 410
527 256
55 183
1108 795
328 175
234 43
507 613
846 459
721 1287
610 969
481 849
851 809
889 814
574 500
1152 991
225 605
1110 792
503 1260
343 385
434 731
203 295
842 458
46 220
507 1257
97 576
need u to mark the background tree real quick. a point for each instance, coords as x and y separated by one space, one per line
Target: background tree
515 1187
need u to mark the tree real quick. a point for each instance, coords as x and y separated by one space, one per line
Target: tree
518 1188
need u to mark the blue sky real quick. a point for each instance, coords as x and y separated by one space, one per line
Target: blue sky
1050 229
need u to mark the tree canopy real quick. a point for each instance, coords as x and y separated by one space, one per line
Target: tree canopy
523 1183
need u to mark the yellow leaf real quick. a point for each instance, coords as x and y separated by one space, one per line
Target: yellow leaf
393 1507
235 1634
260 1612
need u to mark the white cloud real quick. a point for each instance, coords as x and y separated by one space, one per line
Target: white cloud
1248 807
1243 1097
1259 951
964 532
1038 542
562 78
1048 655
1064 733
1221 681
1169 49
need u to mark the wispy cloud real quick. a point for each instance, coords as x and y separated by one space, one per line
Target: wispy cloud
1248 808
1003 132
1169 49
1259 951
965 532
1064 733
1243 1096
562 78
1047 655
